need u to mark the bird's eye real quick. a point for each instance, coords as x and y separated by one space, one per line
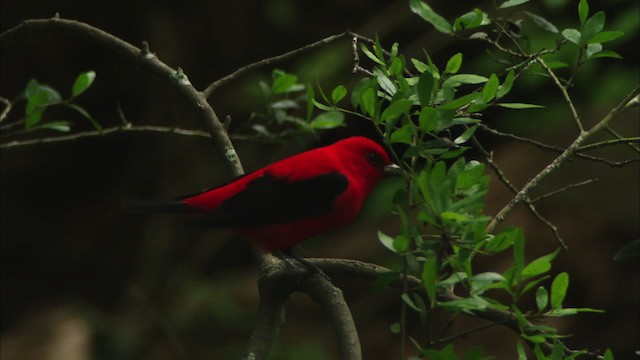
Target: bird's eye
374 159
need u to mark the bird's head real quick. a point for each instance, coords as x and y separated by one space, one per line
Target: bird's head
366 160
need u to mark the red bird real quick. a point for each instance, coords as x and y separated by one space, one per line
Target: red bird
281 205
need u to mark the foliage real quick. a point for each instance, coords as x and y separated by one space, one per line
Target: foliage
40 97
429 114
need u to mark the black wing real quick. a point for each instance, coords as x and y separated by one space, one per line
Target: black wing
271 200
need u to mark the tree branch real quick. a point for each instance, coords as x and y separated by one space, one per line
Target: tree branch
268 61
139 57
278 280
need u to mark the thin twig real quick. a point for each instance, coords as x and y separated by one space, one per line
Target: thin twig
556 192
268 61
502 177
618 136
6 110
602 144
558 149
565 94
104 132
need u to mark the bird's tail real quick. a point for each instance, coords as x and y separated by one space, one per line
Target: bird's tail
151 206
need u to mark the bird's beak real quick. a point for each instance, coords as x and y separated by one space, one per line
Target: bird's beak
392 170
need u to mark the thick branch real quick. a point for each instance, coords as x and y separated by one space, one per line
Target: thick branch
330 297
278 280
274 295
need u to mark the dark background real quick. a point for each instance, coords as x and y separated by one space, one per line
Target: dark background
81 278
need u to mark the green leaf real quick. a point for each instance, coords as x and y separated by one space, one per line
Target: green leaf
459 102
522 354
386 240
321 106
542 23
556 64
396 67
511 3
459 79
310 102
606 54
539 266
33 117
518 251
466 135
86 115
328 120
283 83
542 298
572 35
385 82
447 353
593 49
583 11
400 243
593 25
425 88
338 93
402 135
82 83
507 85
481 282
395 328
454 64
396 109
502 241
407 300
608 355
605 36
62 126
559 290
428 119
629 251
490 89
39 97
429 275
571 311
520 106
369 102
471 20
426 12
371 55
420 66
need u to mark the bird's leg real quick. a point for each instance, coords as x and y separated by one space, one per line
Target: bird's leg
287 255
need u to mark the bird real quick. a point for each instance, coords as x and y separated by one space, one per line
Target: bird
291 200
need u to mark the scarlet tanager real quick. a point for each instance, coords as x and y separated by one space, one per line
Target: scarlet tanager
281 205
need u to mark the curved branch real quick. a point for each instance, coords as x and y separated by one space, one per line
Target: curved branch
331 298
278 280
274 295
